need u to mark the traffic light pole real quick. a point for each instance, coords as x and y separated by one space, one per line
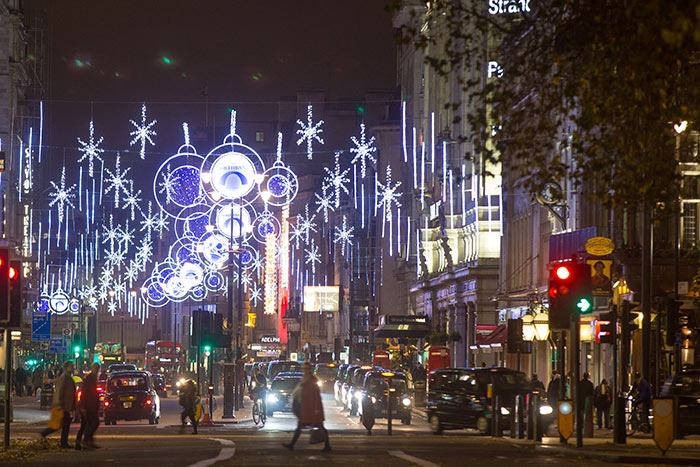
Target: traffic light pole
8 385
575 385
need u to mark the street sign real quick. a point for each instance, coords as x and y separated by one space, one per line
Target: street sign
663 424
44 345
66 332
566 418
57 344
41 326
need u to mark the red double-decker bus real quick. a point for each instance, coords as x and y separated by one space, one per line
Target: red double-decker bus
163 357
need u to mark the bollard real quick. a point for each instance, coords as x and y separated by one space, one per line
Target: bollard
530 416
538 418
497 431
513 418
520 403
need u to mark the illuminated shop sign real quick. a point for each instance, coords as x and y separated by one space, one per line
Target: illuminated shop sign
508 7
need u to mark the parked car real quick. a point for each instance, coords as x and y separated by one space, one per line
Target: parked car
338 384
685 387
131 395
278 366
376 388
355 386
279 397
326 374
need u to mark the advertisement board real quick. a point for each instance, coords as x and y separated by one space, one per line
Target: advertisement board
321 298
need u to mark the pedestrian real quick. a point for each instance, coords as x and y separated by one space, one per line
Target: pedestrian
641 393
585 387
554 387
188 401
307 406
89 410
20 381
38 380
64 400
536 385
603 400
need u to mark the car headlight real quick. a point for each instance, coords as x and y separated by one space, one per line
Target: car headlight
505 411
406 401
374 400
320 383
272 398
546 409
358 396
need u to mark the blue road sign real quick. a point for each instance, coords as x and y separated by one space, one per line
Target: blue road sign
41 326
57 344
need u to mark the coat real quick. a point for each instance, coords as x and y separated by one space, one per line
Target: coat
90 400
309 397
64 394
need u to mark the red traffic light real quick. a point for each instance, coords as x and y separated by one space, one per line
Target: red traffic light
562 272
12 273
553 292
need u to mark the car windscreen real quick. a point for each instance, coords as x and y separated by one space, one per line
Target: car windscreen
378 383
685 385
358 377
128 383
325 371
285 384
113 368
279 367
511 381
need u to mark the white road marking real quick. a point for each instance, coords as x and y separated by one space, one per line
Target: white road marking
415 460
224 454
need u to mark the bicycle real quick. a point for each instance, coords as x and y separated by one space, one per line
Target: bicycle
259 412
635 420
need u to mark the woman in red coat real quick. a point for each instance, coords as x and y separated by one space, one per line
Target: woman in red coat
308 406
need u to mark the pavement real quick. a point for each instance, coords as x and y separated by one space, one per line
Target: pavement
241 442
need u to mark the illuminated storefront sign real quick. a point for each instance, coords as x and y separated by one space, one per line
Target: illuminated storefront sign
502 7
322 298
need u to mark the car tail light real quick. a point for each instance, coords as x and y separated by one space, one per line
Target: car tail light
80 393
100 389
106 403
149 402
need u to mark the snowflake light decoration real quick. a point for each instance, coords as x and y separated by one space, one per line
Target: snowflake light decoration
307 224
149 220
344 235
117 181
296 234
62 195
363 150
337 179
143 132
161 224
132 272
309 131
255 293
112 307
312 256
126 237
324 202
165 186
132 199
91 149
115 258
110 233
387 194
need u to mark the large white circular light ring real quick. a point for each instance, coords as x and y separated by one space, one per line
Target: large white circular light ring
214 281
264 225
215 248
282 184
153 293
191 274
176 288
232 175
184 186
59 301
241 218
198 293
230 146
192 220
162 189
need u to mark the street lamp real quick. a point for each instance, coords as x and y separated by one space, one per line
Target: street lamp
541 324
528 328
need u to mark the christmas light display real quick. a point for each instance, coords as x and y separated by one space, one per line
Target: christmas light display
309 132
90 150
62 196
143 132
363 151
344 236
116 181
270 275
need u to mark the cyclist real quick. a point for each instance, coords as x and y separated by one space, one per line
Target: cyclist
258 386
641 397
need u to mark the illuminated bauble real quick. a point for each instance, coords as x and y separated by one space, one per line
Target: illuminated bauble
183 186
234 219
59 301
281 184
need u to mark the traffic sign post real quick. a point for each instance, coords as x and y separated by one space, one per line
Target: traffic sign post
41 326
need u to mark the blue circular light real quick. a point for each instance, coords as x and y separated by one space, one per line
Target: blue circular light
266 228
213 281
246 257
278 185
156 292
184 187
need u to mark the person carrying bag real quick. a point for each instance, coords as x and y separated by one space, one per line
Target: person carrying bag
63 401
307 406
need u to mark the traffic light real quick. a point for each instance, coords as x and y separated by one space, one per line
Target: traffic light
5 312
76 350
569 292
607 323
16 302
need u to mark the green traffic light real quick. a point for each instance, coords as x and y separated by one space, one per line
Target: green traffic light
207 348
77 348
583 305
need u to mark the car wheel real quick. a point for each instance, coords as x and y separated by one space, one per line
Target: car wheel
435 425
483 425
152 420
157 420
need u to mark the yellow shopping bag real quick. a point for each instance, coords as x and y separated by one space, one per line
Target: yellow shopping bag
197 408
56 419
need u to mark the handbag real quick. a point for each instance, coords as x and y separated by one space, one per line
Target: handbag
56 418
318 435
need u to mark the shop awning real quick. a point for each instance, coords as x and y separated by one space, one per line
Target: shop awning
413 327
497 336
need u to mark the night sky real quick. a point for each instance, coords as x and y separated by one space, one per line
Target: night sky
108 57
